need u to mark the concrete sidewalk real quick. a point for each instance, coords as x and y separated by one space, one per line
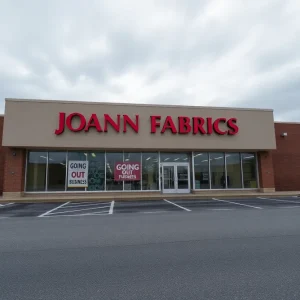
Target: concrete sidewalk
107 196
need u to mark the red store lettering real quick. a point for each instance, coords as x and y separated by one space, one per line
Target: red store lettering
77 174
195 125
93 122
77 122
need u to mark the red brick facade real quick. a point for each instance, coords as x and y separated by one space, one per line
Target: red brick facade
14 170
1 155
286 158
279 169
266 171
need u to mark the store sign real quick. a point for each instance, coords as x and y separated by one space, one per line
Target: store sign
77 122
130 171
78 173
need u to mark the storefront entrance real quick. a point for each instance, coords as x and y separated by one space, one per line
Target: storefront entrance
175 178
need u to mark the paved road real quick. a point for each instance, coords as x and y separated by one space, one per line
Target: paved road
220 254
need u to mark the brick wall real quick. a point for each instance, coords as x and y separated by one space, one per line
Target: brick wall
286 158
1 155
266 171
14 171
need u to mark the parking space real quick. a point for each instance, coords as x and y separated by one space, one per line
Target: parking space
25 209
76 209
164 205
238 203
145 206
208 204
269 202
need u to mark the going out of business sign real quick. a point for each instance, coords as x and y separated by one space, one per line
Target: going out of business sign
78 173
130 171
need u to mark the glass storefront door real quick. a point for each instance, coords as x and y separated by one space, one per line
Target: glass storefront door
175 178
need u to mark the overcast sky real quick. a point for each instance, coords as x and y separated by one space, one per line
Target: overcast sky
243 53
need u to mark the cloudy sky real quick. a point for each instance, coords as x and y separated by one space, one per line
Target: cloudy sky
243 53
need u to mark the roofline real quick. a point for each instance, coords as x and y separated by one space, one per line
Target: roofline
132 104
283 122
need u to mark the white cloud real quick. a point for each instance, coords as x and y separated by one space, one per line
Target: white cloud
209 52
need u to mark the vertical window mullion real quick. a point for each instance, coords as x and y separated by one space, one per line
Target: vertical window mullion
159 173
67 168
47 167
193 171
209 170
242 172
86 160
256 173
141 171
123 180
105 170
225 168
26 166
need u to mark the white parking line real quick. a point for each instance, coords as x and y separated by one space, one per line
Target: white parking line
184 208
50 211
3 205
111 209
221 209
279 200
257 207
77 215
74 210
153 212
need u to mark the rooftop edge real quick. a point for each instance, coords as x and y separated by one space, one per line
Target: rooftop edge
132 104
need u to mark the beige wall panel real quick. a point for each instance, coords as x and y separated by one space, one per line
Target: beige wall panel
29 123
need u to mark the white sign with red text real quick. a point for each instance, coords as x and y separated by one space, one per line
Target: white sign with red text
78 173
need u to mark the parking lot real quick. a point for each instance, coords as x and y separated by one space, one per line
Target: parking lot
164 205
162 249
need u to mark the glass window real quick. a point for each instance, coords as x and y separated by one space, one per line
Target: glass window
233 167
111 159
80 156
217 170
150 176
36 171
174 157
201 169
96 175
249 170
56 171
132 157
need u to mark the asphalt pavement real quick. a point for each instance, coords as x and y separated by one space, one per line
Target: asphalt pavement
237 249
164 205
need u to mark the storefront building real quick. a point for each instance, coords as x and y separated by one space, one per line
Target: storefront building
81 147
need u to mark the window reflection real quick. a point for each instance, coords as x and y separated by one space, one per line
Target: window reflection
150 177
132 157
96 174
233 167
36 171
173 157
240 167
201 168
249 170
217 169
111 159
56 171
